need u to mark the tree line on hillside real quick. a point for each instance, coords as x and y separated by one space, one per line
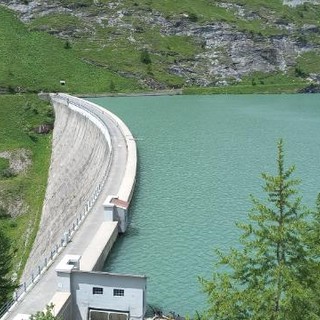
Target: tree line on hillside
7 285
275 273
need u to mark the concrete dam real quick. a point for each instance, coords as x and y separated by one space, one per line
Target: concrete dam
90 185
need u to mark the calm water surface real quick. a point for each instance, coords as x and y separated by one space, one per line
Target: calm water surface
200 157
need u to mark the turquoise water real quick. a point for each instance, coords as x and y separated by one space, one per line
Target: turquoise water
200 157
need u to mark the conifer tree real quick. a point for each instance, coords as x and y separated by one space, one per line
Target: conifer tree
45 315
313 240
271 276
314 230
6 284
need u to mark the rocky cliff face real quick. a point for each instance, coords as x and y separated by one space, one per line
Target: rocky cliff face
253 40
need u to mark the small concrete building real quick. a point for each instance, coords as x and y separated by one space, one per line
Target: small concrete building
98 295
116 210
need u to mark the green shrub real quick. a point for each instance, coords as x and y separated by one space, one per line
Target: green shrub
299 72
3 213
67 45
13 224
33 136
7 173
11 89
112 86
145 57
4 164
193 17
149 70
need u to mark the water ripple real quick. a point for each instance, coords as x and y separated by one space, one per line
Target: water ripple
199 160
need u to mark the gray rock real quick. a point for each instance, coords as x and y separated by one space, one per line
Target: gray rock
227 54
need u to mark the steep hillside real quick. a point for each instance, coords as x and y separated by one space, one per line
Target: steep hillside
171 44
37 61
24 162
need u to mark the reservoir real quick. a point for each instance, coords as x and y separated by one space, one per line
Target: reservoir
199 159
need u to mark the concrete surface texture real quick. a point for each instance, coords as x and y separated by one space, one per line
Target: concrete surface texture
80 157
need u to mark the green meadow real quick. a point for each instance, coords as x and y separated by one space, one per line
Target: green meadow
33 61
19 114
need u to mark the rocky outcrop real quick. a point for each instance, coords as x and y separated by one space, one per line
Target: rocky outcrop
231 54
226 52
313 88
294 3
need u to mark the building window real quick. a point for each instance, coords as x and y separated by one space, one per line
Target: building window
118 292
96 290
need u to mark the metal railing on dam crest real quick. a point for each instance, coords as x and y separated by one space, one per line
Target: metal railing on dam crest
96 115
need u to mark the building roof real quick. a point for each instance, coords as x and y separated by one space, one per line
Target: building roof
120 203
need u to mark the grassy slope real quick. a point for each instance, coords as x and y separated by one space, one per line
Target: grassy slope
36 61
111 48
17 115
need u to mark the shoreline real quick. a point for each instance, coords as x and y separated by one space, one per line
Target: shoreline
172 92
311 89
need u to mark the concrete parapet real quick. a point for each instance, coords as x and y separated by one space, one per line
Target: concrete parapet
22 316
97 251
125 192
128 182
62 305
118 204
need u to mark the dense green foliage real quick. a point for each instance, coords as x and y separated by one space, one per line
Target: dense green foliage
44 315
274 275
6 284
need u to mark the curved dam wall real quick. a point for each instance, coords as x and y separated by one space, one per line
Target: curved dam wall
93 169
81 156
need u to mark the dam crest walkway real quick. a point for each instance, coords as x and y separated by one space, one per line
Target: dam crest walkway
44 289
